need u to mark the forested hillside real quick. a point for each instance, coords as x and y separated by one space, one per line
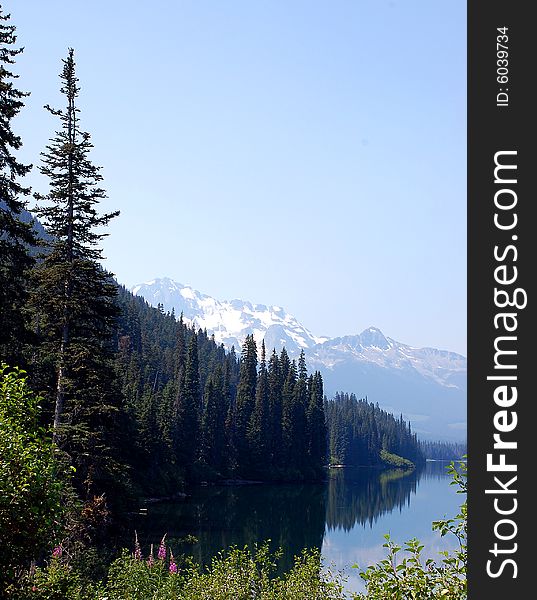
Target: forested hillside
123 400
198 412
360 433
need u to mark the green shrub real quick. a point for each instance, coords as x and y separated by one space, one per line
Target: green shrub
30 482
238 574
58 581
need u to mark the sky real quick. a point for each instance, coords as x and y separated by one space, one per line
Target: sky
302 153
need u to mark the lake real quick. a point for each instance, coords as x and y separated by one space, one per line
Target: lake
347 517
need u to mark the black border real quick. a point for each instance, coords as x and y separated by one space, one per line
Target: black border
493 128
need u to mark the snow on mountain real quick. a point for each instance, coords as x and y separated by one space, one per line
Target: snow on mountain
371 346
230 320
425 384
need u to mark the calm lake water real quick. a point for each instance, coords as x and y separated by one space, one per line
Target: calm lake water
346 517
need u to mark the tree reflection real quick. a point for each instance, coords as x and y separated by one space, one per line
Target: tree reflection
291 516
362 495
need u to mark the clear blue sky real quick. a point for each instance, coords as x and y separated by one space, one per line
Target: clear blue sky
309 154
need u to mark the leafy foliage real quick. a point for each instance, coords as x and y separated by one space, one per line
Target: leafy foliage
31 481
243 574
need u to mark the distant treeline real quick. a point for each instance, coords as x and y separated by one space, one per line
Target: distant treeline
359 430
199 412
443 450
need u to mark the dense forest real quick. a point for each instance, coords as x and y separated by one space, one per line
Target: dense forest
119 400
359 432
199 412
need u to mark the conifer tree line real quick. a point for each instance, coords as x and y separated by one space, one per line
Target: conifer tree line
359 430
198 412
436 450
141 402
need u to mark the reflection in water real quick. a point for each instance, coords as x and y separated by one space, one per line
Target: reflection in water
360 495
346 517
406 508
290 516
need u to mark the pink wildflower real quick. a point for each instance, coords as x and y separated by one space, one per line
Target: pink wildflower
137 549
162 549
57 552
150 560
173 566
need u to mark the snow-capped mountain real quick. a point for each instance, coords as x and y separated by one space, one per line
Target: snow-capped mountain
232 320
371 346
425 384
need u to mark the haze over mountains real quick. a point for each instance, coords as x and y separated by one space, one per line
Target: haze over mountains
425 384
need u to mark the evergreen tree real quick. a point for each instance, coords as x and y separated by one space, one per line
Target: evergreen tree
275 385
316 425
180 352
75 301
245 400
187 442
213 422
15 235
299 446
148 437
258 430
288 419
232 389
285 365
230 363
358 432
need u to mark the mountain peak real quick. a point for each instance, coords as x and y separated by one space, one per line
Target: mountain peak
372 336
230 320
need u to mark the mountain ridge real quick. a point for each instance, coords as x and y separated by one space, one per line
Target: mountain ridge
425 384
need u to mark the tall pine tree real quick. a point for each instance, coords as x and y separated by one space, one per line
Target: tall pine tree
258 428
299 442
187 411
15 235
275 410
244 402
316 424
289 457
213 443
75 300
